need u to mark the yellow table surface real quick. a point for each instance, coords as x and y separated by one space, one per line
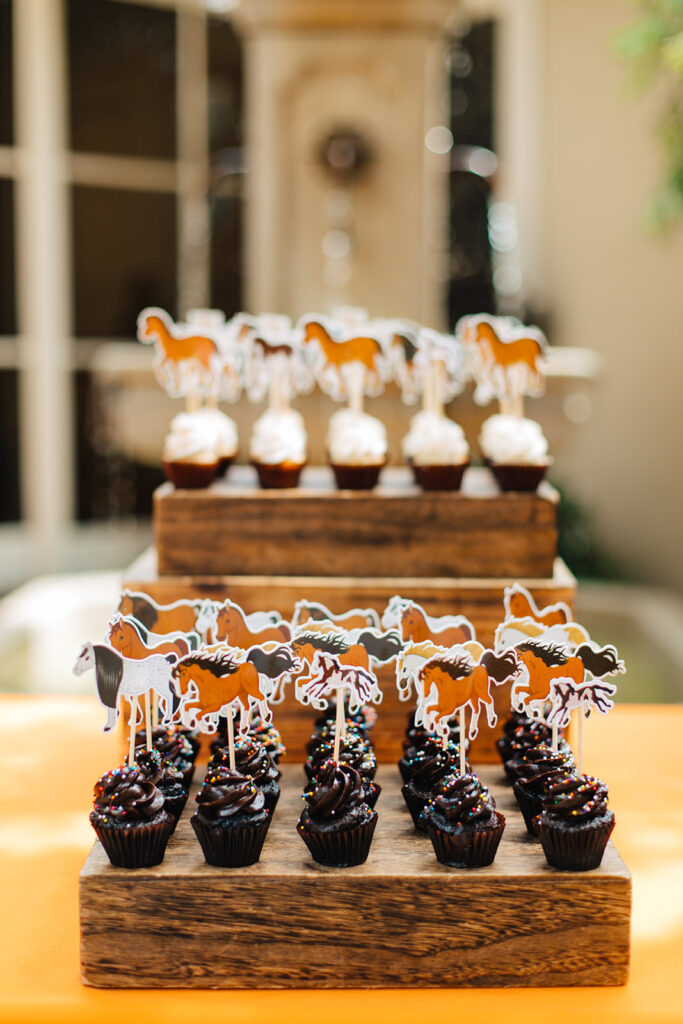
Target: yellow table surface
53 750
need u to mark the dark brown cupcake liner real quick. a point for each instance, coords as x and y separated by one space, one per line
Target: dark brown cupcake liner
277 475
530 804
575 848
136 846
415 804
356 478
234 846
224 464
175 806
468 847
519 478
440 478
190 476
340 848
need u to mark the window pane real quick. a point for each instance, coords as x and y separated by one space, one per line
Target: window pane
7 299
9 446
124 258
226 253
109 484
5 73
122 78
225 85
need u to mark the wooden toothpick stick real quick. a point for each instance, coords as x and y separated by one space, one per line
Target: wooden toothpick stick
463 762
133 723
231 740
148 720
339 722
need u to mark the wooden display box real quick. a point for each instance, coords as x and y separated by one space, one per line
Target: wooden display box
236 528
480 600
400 920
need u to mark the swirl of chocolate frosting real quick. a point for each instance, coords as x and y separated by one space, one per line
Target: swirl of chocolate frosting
417 737
156 769
513 722
324 735
127 795
541 764
171 744
576 798
530 734
463 799
356 755
338 791
431 764
226 792
251 758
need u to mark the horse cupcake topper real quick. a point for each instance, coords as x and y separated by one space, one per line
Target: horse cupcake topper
274 361
348 359
507 360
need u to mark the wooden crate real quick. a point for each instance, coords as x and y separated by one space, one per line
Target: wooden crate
480 600
400 920
235 528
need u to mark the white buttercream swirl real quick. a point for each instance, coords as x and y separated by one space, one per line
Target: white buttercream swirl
224 431
514 441
434 440
279 436
190 439
356 439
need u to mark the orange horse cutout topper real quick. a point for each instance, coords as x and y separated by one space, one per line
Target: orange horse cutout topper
357 618
180 616
519 604
219 680
132 640
337 358
507 359
452 681
234 627
186 362
412 658
551 672
416 625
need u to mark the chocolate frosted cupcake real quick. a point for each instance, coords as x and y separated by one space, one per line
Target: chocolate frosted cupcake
324 734
418 740
533 734
173 747
355 752
576 823
429 768
267 735
336 824
363 719
231 820
129 818
536 770
514 721
252 759
462 822
166 778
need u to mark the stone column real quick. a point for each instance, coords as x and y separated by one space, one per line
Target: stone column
372 71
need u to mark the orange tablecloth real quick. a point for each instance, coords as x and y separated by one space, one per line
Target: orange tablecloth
52 751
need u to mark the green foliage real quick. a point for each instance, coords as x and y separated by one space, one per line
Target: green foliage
577 545
654 48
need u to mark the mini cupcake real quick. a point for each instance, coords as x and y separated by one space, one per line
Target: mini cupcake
538 768
513 721
231 820
267 735
252 759
536 734
129 818
325 733
189 458
336 823
354 752
173 747
436 448
224 431
415 756
167 779
517 451
575 823
278 447
431 766
357 449
462 822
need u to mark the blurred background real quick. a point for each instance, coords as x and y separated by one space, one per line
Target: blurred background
420 158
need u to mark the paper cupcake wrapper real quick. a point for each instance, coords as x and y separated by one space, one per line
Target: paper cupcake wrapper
190 475
174 806
277 476
343 848
235 847
356 478
469 848
137 846
415 804
531 806
518 478
440 478
575 849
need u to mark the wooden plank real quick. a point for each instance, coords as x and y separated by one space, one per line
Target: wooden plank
400 920
235 528
480 600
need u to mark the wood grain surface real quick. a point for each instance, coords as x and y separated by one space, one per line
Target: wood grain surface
235 528
400 920
480 600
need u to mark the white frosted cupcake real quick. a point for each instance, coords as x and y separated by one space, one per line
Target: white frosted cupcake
189 458
357 449
225 435
278 447
516 450
437 450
